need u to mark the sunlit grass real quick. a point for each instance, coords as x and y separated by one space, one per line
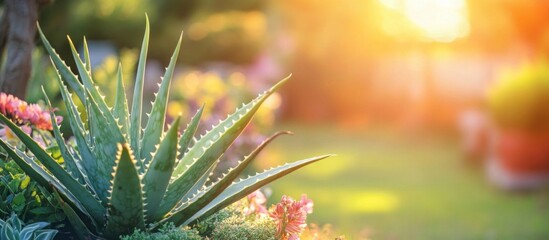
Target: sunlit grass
391 185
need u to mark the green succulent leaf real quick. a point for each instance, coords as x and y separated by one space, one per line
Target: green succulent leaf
120 109
125 211
88 162
242 188
89 85
105 140
208 149
135 118
189 208
82 231
63 69
189 133
36 172
78 190
155 124
87 56
68 158
159 172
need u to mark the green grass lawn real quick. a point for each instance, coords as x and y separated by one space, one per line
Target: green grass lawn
387 186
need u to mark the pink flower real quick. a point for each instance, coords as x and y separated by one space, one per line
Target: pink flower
291 216
23 113
255 204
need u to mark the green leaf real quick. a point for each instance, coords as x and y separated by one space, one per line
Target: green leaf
45 234
188 135
87 56
70 163
242 188
209 148
29 230
120 109
82 231
77 125
38 174
155 123
8 233
105 139
87 157
63 69
125 211
89 85
135 118
188 209
160 170
78 190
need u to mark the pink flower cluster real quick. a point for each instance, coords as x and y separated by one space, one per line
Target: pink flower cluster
291 216
255 204
22 112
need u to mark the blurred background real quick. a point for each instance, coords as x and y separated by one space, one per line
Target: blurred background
438 110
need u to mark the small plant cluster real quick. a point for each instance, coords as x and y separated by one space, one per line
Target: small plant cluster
118 176
24 197
14 229
218 94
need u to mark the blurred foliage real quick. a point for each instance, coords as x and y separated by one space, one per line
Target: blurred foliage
231 31
24 197
221 95
43 75
520 100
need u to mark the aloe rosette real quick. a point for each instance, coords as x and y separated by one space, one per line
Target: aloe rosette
120 176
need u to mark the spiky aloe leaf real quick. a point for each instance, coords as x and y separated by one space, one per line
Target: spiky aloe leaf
44 179
240 189
135 118
191 207
80 192
87 59
105 141
68 158
82 231
155 124
87 80
77 125
86 155
189 133
159 172
120 109
208 149
125 211
63 69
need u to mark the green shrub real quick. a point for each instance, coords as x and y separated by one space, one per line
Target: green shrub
239 227
24 197
166 232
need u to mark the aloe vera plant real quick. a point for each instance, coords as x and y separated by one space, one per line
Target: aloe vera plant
120 177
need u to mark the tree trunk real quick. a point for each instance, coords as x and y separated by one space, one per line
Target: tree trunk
19 18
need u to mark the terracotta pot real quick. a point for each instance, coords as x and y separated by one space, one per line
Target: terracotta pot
522 152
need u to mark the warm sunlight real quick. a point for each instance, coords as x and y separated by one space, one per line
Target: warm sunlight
438 20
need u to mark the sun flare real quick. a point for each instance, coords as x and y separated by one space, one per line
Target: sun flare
437 20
